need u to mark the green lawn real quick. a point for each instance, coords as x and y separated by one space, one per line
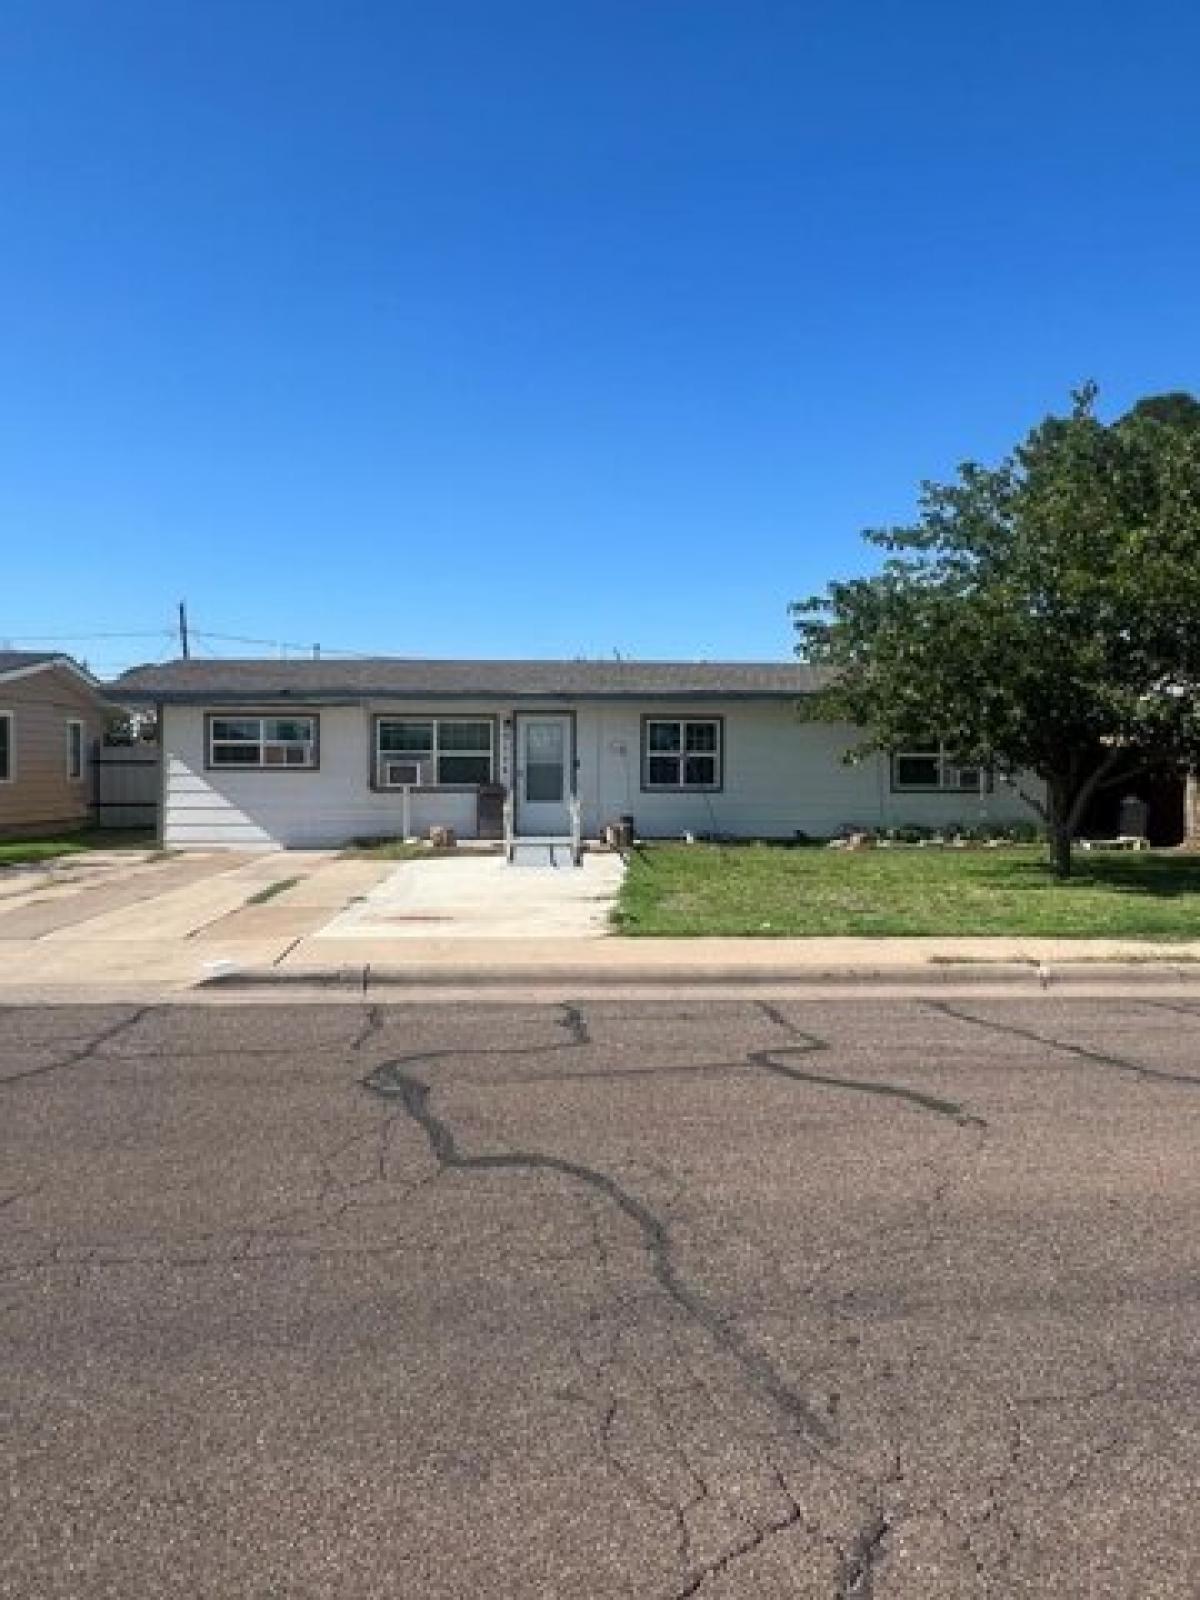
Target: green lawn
773 890
20 852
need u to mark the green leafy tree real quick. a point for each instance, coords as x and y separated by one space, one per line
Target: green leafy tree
1041 616
1177 409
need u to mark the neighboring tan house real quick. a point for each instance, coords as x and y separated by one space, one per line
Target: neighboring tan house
321 752
52 714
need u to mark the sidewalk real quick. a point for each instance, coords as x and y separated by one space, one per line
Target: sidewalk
287 925
287 966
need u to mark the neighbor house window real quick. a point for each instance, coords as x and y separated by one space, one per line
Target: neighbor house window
931 767
681 753
274 743
8 753
74 750
433 751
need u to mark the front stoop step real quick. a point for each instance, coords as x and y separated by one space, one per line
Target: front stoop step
543 854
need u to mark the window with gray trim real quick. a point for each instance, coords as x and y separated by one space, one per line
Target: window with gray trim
682 753
8 730
930 768
433 751
265 743
74 750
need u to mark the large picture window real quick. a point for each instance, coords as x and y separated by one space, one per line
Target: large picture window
927 768
682 753
433 751
268 743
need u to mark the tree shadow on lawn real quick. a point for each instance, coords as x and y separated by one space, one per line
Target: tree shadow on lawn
1135 873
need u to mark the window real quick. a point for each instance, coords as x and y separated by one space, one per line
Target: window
681 753
278 743
545 757
931 767
430 751
8 747
74 751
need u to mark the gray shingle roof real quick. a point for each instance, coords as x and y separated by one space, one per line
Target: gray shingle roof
24 660
18 660
388 677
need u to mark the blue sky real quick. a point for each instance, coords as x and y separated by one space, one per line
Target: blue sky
494 327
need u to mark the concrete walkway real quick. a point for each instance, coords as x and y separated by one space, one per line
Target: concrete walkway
479 897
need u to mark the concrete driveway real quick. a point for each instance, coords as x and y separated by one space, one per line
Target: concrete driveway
126 916
805 1300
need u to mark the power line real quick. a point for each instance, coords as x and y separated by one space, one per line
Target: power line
307 648
76 638
276 644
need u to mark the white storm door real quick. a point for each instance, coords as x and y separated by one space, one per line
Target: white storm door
545 772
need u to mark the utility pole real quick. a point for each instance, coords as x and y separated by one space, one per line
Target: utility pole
184 649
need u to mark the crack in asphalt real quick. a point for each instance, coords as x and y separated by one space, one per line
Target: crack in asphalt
84 1053
372 1025
864 1558
335 1196
390 1081
808 1043
1100 1058
861 1560
888 1091
792 1517
12 1198
688 1069
575 1023
679 1507
1172 1005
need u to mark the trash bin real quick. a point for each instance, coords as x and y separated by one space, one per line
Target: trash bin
1134 817
618 835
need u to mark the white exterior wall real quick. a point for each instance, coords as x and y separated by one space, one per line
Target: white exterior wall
780 775
328 806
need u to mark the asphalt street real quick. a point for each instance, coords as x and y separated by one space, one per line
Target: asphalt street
851 1299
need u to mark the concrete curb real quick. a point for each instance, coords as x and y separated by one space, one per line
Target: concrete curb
1029 975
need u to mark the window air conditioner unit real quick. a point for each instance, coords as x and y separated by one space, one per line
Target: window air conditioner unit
405 774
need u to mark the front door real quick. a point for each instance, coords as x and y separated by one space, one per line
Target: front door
545 774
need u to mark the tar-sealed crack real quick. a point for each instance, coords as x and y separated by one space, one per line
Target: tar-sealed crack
391 1081
808 1043
1179 1008
573 1020
861 1558
85 1052
1099 1058
864 1558
372 1024
858 1560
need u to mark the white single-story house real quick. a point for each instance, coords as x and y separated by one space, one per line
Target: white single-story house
320 752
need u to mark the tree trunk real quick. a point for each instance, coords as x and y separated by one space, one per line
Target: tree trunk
1061 822
1060 850
1067 800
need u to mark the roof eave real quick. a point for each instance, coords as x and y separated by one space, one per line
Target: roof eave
64 663
332 697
